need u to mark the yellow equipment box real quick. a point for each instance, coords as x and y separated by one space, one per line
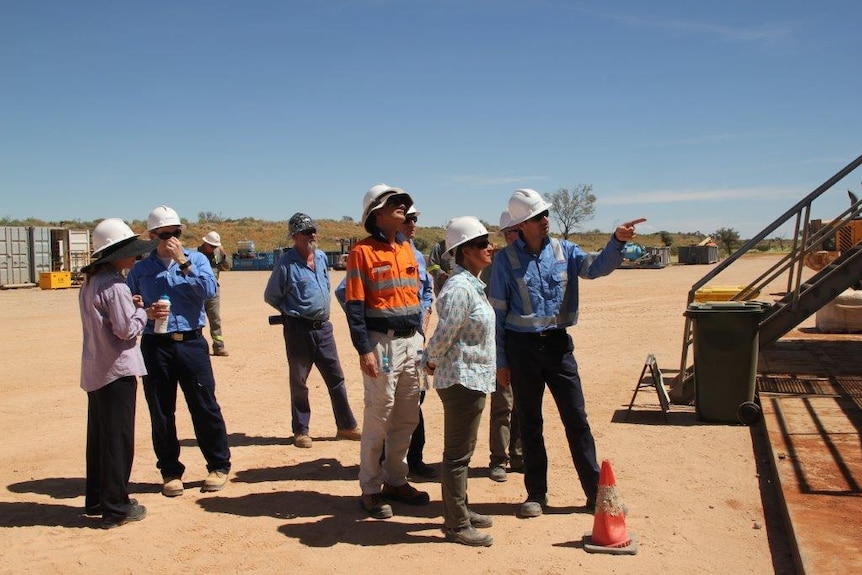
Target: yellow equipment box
55 280
722 293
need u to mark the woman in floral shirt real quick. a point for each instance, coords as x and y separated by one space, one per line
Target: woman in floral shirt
461 355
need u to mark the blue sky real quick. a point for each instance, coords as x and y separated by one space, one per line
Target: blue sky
695 115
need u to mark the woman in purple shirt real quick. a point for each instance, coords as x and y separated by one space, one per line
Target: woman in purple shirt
110 362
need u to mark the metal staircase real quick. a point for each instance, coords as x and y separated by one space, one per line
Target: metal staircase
802 298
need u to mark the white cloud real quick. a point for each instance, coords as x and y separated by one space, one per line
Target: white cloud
676 196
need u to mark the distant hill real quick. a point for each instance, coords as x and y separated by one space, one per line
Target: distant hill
268 235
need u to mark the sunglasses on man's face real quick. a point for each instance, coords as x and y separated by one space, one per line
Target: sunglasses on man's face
411 219
539 217
169 235
309 232
396 200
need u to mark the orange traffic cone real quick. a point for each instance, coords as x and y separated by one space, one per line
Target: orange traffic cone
609 534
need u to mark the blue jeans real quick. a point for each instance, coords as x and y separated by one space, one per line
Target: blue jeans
187 363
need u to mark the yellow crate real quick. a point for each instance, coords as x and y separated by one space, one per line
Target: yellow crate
55 280
721 293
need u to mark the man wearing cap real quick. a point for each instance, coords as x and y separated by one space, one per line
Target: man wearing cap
211 248
181 355
384 315
534 292
299 289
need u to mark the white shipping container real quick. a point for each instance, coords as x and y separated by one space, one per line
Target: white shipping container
14 256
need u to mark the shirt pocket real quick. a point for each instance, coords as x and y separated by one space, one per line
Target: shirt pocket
383 279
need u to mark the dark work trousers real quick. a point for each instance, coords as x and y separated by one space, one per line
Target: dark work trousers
462 411
534 360
186 362
306 346
110 446
417 440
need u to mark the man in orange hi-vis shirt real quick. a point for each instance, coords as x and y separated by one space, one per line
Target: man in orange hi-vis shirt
384 315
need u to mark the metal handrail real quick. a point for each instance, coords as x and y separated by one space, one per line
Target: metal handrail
803 243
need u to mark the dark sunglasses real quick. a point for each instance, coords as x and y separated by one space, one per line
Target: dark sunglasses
479 244
169 235
309 232
409 219
396 200
539 217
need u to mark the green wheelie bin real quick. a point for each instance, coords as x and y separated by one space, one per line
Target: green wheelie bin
726 341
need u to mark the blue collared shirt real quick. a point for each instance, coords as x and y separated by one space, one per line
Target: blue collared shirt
296 290
462 347
426 282
151 279
533 293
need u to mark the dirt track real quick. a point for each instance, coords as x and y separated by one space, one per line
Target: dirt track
692 489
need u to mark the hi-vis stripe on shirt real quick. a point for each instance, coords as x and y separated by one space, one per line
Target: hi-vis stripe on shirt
386 280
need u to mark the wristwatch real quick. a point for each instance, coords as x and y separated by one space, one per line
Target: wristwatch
185 265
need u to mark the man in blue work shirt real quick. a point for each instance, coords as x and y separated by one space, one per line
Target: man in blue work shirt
415 458
180 355
534 292
299 289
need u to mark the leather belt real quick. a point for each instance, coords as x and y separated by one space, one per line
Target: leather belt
313 324
181 335
546 333
399 333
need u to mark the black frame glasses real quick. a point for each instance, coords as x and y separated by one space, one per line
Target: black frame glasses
410 219
168 235
540 216
309 232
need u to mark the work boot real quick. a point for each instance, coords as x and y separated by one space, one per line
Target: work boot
480 521
220 350
349 434
533 506
422 470
375 505
136 513
302 440
498 473
172 487
215 481
406 494
469 536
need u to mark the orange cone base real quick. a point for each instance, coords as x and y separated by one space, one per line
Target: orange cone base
631 548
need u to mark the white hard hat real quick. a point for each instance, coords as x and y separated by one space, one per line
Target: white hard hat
412 211
114 240
109 232
162 216
524 204
213 239
505 221
375 198
463 229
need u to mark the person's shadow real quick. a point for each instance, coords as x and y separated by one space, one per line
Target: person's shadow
333 518
32 513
